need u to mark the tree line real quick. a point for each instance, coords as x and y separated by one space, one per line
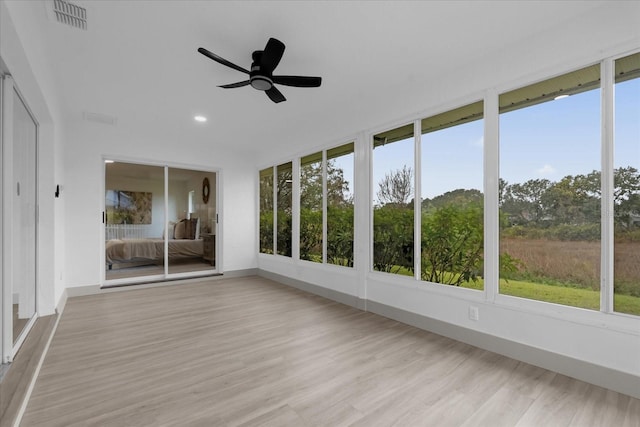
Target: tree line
452 223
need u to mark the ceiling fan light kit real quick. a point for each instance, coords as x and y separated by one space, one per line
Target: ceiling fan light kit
261 75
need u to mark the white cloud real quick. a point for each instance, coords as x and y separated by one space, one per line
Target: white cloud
546 170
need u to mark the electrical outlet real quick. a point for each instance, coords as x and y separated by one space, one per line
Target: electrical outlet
473 313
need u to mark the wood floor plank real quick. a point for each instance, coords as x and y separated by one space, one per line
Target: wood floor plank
249 351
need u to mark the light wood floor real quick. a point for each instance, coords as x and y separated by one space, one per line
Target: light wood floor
252 352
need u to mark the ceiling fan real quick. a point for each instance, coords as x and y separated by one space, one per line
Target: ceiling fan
261 75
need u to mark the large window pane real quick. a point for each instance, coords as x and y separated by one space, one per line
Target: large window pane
393 198
627 186
266 211
550 190
340 205
311 207
283 206
452 199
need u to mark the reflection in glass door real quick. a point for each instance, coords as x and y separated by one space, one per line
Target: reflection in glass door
157 226
24 217
191 216
134 220
19 196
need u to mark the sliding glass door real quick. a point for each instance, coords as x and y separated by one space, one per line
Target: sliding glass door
134 220
159 222
192 214
19 218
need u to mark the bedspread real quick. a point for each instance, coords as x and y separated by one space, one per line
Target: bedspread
123 250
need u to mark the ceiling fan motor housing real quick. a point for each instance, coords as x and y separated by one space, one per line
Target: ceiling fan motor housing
258 79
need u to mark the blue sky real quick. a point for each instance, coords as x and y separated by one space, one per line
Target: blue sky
549 140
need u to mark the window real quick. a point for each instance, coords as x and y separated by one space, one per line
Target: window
192 195
283 206
627 186
337 191
452 201
340 176
266 211
311 207
550 143
393 188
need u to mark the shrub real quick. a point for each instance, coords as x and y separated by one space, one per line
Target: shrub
452 245
392 238
340 235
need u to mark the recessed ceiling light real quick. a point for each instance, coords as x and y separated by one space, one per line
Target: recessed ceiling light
200 119
560 97
108 161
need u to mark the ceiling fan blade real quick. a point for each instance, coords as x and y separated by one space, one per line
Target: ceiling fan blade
239 84
221 60
271 55
298 81
275 95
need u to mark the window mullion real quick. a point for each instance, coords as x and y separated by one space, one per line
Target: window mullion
295 209
417 201
491 199
607 182
324 206
275 210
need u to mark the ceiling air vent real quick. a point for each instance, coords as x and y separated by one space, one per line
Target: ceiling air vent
70 14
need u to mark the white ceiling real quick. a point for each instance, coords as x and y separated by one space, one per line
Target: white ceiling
137 61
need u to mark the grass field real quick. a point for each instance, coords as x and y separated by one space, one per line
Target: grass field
565 295
568 273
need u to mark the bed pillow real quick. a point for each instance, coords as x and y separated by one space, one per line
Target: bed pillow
172 230
191 226
197 236
180 230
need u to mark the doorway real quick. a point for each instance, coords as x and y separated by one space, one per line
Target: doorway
160 222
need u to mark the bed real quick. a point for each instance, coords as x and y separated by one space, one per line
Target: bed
184 242
136 250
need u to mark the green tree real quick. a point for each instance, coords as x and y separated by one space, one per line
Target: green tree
626 196
574 200
459 197
525 203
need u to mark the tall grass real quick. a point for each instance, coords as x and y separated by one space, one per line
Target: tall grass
571 264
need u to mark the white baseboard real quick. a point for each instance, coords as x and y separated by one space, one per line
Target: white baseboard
62 302
346 299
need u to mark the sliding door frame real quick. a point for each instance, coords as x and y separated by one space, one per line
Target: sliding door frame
166 276
10 344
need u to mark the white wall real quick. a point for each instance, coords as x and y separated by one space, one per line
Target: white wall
19 51
86 146
607 340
